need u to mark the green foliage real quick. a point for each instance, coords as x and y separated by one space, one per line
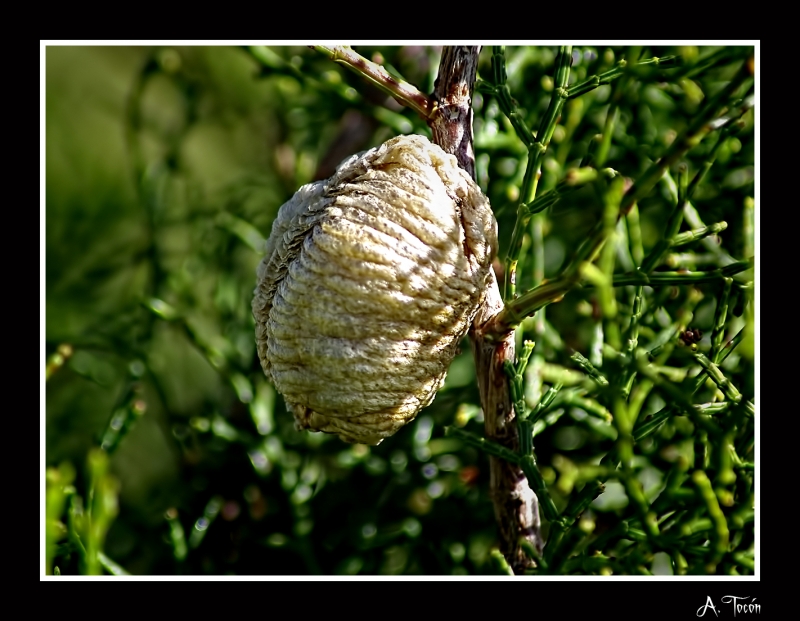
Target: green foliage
165 169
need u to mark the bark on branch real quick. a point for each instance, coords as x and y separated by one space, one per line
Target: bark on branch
451 119
515 504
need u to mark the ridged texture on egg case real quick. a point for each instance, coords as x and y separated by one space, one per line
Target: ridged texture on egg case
370 280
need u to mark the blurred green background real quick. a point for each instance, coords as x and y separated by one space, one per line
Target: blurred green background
164 170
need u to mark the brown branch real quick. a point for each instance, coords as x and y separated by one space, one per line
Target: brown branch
451 119
405 93
516 507
515 504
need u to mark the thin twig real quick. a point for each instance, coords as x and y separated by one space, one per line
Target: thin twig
405 93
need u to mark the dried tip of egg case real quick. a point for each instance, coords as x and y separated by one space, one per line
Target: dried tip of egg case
370 280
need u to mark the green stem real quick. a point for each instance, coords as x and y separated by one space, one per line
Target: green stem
720 532
589 368
515 311
507 105
662 279
591 83
536 151
608 131
696 234
723 383
590 406
516 377
544 403
110 566
730 346
177 535
487 446
673 224
720 316
749 226
680 401
635 235
632 341
531 470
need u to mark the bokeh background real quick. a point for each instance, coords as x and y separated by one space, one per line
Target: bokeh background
165 167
